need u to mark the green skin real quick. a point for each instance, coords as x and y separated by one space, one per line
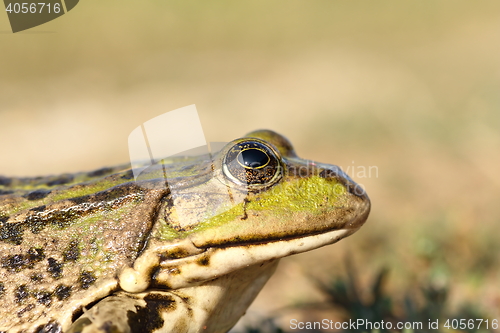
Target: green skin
144 257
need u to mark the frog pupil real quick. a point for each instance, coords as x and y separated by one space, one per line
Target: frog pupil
253 158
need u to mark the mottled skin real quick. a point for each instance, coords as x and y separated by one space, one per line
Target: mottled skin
100 252
51 266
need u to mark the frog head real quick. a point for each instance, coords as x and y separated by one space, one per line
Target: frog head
260 203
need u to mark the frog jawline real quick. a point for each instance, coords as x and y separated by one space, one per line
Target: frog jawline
214 262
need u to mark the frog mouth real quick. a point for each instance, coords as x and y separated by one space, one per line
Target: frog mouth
151 272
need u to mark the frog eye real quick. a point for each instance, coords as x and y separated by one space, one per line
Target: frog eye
253 163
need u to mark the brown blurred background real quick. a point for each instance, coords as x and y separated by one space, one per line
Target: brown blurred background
411 89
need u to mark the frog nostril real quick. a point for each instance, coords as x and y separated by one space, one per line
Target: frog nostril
330 173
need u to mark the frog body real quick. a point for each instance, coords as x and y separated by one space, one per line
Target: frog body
103 252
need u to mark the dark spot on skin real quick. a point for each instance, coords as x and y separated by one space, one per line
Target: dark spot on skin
175 253
37 194
21 293
168 204
86 279
43 297
36 277
153 271
19 262
35 255
38 209
203 261
72 253
51 327
62 292
55 268
61 180
161 301
14 263
148 319
11 232
245 203
109 327
2 289
99 172
29 307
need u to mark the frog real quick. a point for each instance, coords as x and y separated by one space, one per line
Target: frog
105 251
